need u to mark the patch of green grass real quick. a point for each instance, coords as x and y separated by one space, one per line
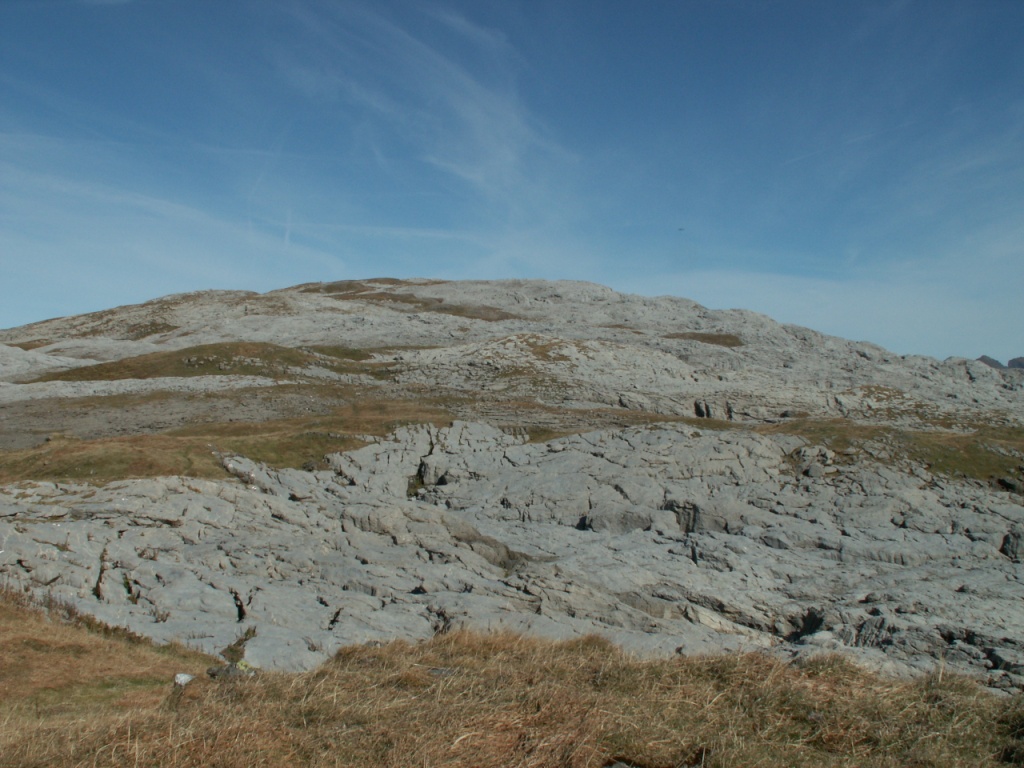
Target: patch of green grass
414 486
235 651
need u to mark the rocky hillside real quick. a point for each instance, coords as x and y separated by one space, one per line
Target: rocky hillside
345 462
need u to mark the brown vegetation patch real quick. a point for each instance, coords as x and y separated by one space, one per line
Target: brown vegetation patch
359 286
234 358
353 354
472 312
138 331
64 458
837 434
544 348
624 327
368 290
718 339
986 453
889 403
366 362
979 452
110 323
474 700
30 345
475 312
407 299
541 423
191 451
57 666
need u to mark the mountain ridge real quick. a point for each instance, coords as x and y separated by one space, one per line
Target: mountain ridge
370 314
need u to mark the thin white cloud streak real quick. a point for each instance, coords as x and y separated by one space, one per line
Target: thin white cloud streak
447 123
79 118
475 130
75 244
484 38
837 145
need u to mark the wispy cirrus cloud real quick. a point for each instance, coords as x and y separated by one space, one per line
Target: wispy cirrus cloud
462 115
74 233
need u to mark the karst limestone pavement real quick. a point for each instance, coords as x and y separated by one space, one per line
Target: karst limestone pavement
666 537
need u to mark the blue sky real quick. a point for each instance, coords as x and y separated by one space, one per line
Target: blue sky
855 167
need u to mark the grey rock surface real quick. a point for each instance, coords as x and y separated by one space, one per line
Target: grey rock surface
23 364
562 343
678 513
660 538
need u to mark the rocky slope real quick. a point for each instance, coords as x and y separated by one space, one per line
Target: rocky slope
675 478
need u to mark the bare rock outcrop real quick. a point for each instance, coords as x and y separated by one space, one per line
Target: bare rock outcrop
661 538
671 477
567 344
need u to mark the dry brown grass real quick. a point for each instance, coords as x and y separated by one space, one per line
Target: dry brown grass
343 287
369 290
234 358
837 433
65 458
191 451
984 453
30 345
58 675
75 698
977 451
476 312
